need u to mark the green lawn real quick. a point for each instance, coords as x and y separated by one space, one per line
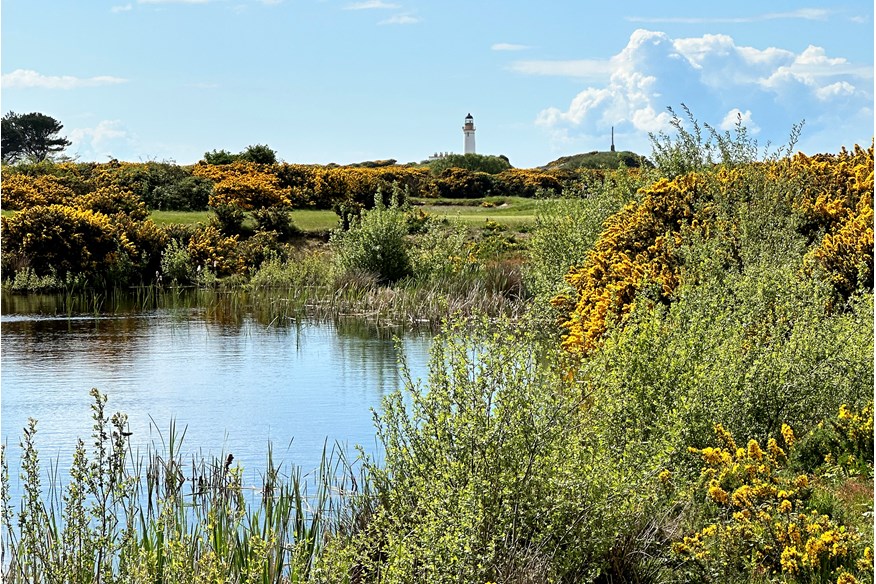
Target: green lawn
513 212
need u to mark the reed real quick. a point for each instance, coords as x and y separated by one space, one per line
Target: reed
166 517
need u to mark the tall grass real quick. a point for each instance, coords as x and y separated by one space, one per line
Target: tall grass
162 517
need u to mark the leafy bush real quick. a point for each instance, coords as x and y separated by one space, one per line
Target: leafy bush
176 263
488 473
276 219
375 243
471 162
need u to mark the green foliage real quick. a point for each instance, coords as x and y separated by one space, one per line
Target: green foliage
597 159
176 263
32 137
257 153
375 243
471 162
486 471
277 219
564 233
120 519
220 157
228 219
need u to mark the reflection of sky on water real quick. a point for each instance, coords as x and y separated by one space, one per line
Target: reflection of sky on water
234 387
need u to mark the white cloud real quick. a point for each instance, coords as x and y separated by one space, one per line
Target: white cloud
713 75
371 5
736 115
109 138
122 8
508 47
400 19
174 1
802 14
26 78
835 90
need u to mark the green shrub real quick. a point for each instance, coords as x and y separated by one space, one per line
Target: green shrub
176 263
375 243
276 219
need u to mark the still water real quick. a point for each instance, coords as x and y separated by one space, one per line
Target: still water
233 382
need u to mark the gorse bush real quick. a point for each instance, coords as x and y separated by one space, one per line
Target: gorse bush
764 519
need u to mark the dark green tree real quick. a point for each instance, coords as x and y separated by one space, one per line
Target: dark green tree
259 153
32 136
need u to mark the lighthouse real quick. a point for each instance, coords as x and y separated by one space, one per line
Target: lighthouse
468 131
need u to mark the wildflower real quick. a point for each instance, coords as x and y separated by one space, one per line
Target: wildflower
846 578
754 450
785 506
801 482
725 436
718 494
664 476
788 435
789 559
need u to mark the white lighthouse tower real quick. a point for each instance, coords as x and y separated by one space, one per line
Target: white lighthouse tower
468 130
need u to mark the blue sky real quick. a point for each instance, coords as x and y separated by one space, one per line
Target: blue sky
351 80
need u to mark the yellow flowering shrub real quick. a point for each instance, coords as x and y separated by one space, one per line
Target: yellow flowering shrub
767 524
61 239
112 200
21 191
636 249
244 185
210 250
835 197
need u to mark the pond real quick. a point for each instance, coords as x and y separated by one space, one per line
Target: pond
234 381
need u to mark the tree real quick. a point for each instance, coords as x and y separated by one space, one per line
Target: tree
260 154
31 136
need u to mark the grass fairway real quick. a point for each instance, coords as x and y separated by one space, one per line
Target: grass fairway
514 212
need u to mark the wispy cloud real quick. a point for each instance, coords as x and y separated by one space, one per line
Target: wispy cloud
400 19
508 47
801 14
26 78
371 5
174 1
582 68
108 138
122 8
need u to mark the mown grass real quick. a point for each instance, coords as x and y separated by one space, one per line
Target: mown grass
513 212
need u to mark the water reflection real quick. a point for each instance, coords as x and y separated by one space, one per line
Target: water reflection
234 382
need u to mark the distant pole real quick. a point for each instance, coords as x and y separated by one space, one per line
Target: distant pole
612 138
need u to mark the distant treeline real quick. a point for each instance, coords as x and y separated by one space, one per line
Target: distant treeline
168 186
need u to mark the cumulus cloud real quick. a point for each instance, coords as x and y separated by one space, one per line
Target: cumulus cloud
717 78
109 138
26 78
735 116
508 47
